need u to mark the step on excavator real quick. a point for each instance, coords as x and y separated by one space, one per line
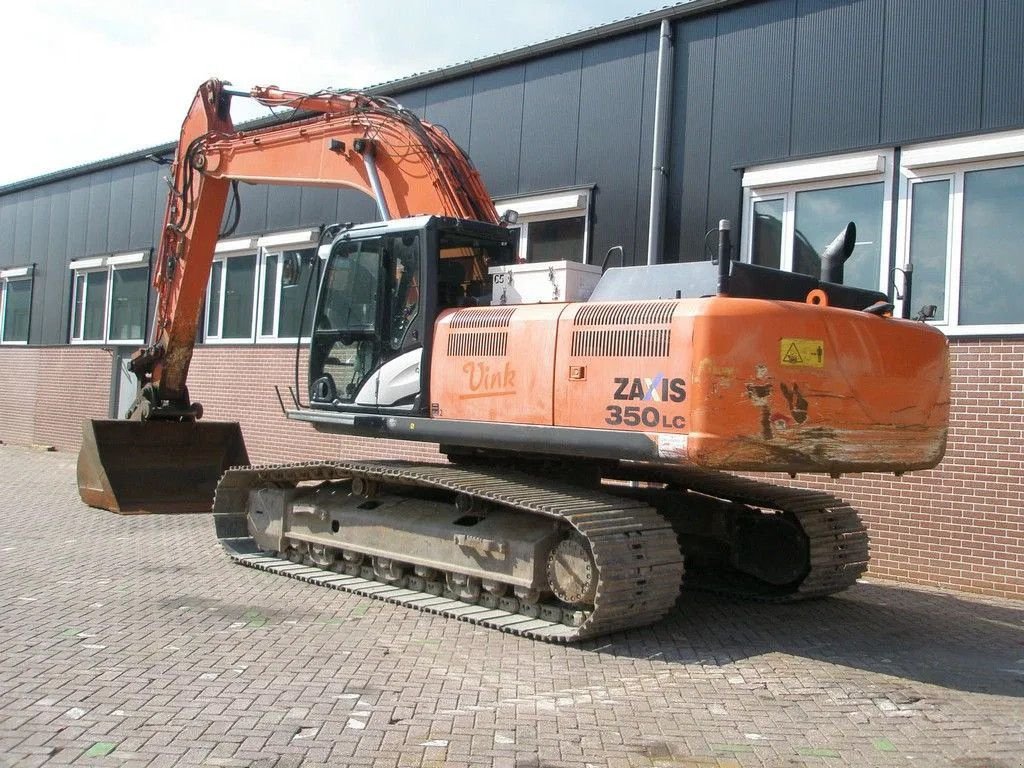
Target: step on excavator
590 442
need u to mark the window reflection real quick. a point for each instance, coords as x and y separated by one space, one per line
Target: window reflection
556 240
16 309
95 306
213 312
128 304
294 293
239 296
929 228
767 250
993 233
269 294
822 213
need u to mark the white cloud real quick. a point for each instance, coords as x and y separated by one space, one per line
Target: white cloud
95 80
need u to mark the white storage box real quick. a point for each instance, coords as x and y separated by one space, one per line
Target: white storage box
543 282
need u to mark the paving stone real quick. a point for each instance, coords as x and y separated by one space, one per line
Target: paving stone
207 663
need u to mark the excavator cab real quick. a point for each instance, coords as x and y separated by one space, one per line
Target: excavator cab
374 315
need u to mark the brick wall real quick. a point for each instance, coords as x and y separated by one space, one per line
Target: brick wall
46 393
960 525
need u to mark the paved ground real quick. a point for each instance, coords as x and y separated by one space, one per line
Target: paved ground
133 641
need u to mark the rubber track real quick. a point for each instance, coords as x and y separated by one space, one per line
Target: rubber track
635 550
837 539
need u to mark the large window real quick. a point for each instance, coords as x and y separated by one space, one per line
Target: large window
288 293
15 304
258 287
958 225
961 228
551 227
231 294
795 210
109 298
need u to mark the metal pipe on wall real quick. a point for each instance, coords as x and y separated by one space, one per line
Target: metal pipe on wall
367 150
662 121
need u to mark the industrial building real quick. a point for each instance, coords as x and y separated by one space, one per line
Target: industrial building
788 117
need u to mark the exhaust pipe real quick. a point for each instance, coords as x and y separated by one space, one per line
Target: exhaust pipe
836 254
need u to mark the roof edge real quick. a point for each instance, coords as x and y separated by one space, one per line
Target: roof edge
571 40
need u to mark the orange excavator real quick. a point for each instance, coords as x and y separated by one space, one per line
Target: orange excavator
589 439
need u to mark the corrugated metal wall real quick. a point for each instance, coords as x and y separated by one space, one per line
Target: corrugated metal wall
780 79
578 118
754 83
837 66
1002 95
933 68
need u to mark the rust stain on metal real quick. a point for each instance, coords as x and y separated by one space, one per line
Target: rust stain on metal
776 420
716 378
760 393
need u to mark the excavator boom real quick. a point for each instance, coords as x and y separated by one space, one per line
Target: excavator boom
339 139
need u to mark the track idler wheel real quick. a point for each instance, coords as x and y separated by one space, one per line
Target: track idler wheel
572 576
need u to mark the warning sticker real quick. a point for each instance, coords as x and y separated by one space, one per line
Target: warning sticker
806 352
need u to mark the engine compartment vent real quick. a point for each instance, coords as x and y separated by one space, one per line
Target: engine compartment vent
645 313
485 317
486 344
641 342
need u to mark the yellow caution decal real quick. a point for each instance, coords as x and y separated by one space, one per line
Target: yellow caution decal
809 353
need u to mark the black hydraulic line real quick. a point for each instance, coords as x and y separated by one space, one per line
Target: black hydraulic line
236 211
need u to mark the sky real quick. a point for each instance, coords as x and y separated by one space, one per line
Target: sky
99 79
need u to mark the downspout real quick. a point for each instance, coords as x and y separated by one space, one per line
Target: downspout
659 168
368 151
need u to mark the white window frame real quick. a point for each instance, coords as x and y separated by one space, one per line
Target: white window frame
107 264
549 206
952 283
8 276
782 181
262 246
223 252
276 245
951 160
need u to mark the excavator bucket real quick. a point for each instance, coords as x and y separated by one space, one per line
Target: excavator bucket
135 467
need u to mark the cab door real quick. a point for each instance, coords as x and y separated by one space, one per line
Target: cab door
367 338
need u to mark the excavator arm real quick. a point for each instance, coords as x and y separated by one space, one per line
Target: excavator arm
347 139
340 139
